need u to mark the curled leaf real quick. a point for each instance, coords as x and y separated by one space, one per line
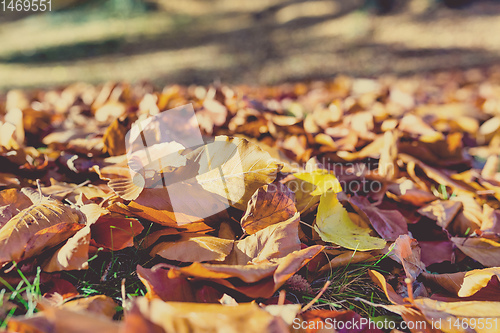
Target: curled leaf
334 225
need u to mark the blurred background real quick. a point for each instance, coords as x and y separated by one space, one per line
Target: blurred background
248 41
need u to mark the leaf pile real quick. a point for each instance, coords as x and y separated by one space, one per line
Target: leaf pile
296 184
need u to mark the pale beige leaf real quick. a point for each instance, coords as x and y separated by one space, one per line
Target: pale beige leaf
234 168
484 250
470 315
99 304
443 212
193 247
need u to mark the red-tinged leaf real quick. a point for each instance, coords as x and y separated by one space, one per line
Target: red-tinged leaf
435 252
389 224
50 237
407 252
61 287
168 285
115 232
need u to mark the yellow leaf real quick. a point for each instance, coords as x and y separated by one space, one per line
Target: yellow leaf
334 225
234 169
323 180
461 317
476 280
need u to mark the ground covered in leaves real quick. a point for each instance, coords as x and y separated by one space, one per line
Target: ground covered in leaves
308 205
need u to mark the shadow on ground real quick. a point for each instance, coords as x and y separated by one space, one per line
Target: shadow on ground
260 43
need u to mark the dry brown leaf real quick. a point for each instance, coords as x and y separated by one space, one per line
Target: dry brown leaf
50 237
114 136
194 247
73 255
54 320
405 190
270 204
166 284
389 224
469 218
12 202
195 317
484 250
443 212
468 315
253 280
192 205
450 282
276 241
98 304
406 251
43 213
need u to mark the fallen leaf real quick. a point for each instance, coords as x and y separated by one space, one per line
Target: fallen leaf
484 250
270 204
234 169
253 280
115 232
194 317
194 248
273 242
12 202
443 212
98 304
54 320
477 279
334 225
389 224
406 251
43 213
322 179
50 237
73 255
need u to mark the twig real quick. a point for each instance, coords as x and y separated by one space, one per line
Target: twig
308 305
281 299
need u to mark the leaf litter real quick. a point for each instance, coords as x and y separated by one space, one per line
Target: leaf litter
344 200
